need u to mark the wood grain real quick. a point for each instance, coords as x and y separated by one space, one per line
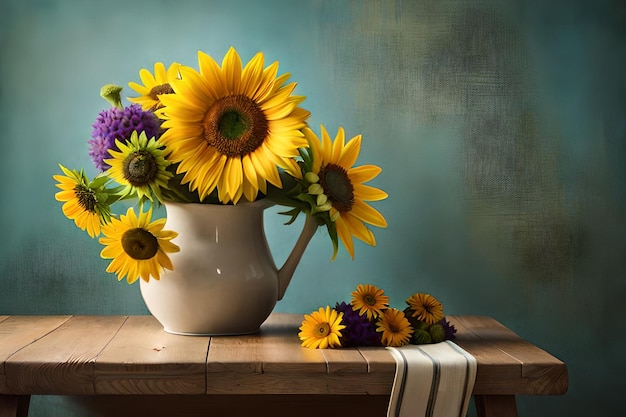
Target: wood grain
133 355
143 359
19 332
507 364
61 362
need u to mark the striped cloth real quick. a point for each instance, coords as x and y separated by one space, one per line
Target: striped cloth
434 380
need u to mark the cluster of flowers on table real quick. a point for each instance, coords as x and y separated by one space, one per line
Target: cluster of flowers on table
368 320
214 135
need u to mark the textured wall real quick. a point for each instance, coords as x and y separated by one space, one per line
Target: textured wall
500 127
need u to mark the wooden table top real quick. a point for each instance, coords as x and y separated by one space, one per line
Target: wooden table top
67 355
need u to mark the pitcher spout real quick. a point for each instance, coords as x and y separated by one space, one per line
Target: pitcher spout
287 270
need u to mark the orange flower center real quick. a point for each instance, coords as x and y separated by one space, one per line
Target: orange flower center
322 329
370 300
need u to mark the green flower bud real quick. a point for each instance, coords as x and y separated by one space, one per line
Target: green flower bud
111 93
321 199
311 177
315 189
325 207
437 333
421 337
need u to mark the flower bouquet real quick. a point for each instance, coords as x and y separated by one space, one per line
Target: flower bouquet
369 321
222 135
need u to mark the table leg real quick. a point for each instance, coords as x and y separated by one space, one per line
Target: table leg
14 405
495 405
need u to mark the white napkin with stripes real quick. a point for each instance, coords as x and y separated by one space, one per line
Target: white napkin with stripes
432 380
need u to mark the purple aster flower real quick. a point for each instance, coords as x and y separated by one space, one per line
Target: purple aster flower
359 330
448 328
116 123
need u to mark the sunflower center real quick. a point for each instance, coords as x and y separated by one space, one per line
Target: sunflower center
140 168
86 198
235 125
369 300
160 89
140 244
337 186
393 328
322 329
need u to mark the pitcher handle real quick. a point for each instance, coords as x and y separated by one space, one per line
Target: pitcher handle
289 267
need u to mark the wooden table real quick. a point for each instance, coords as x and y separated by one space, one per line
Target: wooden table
115 362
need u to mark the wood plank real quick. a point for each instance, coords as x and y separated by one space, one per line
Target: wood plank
496 372
3 318
62 362
269 362
381 369
16 332
227 405
540 372
144 359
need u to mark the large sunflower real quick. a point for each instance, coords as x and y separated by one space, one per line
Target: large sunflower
140 166
154 86
230 127
344 186
322 329
137 246
83 200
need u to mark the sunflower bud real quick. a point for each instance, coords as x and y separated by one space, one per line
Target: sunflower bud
311 177
111 93
437 333
421 337
315 189
325 207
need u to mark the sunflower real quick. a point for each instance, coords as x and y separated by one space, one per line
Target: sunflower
395 328
425 307
321 329
344 186
140 166
369 300
231 128
137 246
154 86
83 200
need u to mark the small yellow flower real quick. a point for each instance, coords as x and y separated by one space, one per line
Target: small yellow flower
140 166
154 85
321 329
425 307
396 329
81 202
369 300
137 246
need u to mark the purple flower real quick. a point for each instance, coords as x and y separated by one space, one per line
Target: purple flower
448 328
115 123
359 330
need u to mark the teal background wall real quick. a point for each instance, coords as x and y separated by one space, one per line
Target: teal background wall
500 127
